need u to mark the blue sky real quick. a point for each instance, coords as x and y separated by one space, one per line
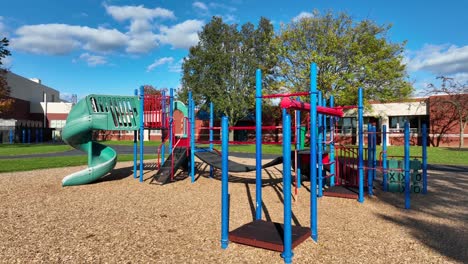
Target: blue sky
113 46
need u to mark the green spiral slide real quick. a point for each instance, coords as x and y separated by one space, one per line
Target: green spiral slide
98 112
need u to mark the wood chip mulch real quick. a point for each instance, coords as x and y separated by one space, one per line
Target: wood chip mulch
120 220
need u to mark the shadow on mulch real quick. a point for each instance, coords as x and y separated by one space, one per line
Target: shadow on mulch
447 198
117 174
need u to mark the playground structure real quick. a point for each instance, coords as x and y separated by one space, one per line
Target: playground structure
139 112
122 113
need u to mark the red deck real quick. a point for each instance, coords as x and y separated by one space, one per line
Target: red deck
267 235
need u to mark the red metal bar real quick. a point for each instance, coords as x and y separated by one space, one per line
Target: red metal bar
285 95
289 103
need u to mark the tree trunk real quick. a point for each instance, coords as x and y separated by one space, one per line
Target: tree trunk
462 134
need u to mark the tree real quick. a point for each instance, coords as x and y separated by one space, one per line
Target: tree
449 109
221 67
348 54
5 101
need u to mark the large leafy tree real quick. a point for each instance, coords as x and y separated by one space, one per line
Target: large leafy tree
221 67
5 101
349 54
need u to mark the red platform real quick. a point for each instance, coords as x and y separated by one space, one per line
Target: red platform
267 235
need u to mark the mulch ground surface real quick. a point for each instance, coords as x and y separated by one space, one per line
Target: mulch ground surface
120 220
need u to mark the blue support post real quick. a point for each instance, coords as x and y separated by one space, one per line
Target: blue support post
163 122
298 146
192 137
142 130
313 152
287 253
407 167
360 148
332 144
224 183
424 157
211 134
319 147
11 136
135 146
258 144
37 135
29 135
23 136
369 159
384 158
171 118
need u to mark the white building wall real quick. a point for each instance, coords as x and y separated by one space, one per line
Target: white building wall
52 108
29 90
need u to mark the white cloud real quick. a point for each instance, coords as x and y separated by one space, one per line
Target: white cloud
159 62
439 59
93 60
200 5
59 39
122 13
142 43
183 35
302 15
176 67
222 6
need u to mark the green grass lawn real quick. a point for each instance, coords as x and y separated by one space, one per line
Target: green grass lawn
448 156
26 149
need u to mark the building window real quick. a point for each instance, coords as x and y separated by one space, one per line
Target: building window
397 123
346 125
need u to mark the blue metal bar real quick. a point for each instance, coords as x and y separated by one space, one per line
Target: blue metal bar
24 136
224 183
384 158
163 122
298 146
313 152
332 144
11 136
135 146
360 148
320 147
211 134
407 167
37 135
258 144
142 130
369 158
287 253
424 157
192 136
29 135
171 118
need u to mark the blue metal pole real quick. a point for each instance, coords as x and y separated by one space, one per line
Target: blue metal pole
37 135
24 136
424 157
369 158
171 118
287 254
360 148
258 143
29 135
224 183
211 134
332 144
313 151
11 136
384 158
192 137
135 146
142 130
298 146
163 122
407 167
320 146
